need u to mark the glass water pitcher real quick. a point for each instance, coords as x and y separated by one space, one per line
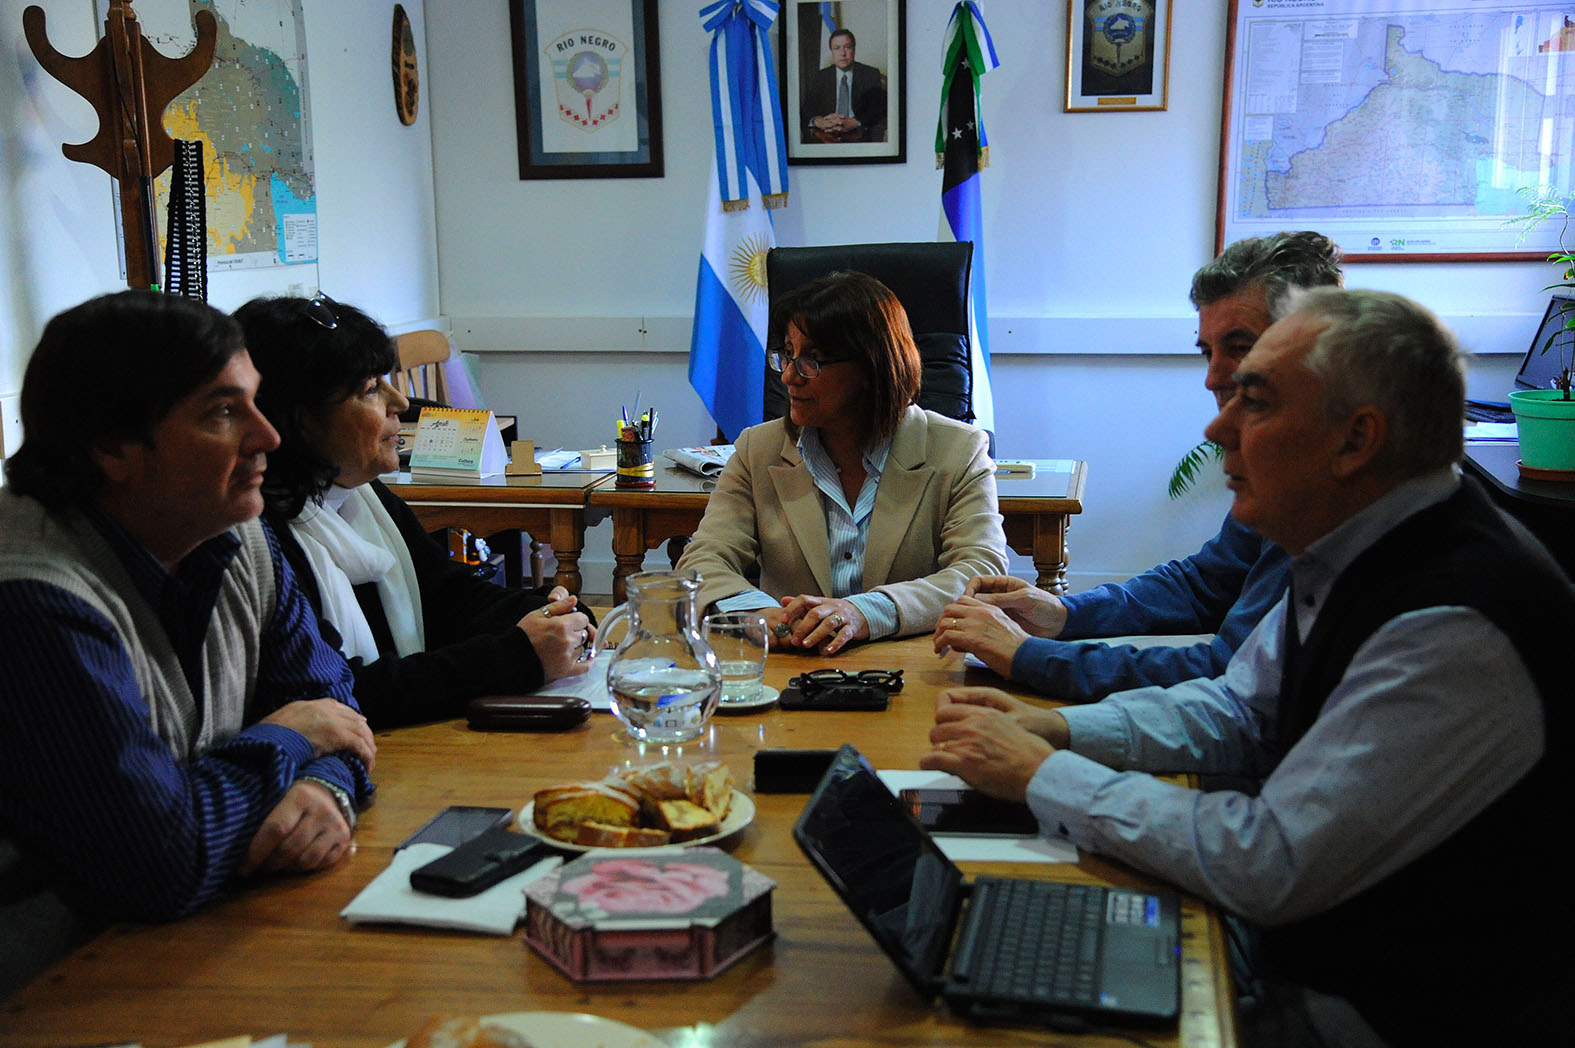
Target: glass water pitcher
663 676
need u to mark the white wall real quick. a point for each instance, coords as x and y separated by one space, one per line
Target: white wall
1094 224
377 222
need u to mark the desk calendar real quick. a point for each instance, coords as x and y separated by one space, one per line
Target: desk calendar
456 443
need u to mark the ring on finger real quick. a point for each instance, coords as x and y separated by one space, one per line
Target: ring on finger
782 630
838 621
546 613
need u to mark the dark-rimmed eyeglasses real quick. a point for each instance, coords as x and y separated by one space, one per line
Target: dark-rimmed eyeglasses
818 680
320 311
778 360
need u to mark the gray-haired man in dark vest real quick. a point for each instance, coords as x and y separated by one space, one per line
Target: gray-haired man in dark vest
1403 708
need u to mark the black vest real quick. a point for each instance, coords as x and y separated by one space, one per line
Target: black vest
1472 938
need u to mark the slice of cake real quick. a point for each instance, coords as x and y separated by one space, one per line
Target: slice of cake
559 810
710 785
683 819
595 834
663 781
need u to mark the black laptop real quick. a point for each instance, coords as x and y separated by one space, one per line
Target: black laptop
1538 370
1001 949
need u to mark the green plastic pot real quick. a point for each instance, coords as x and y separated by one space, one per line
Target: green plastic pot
1547 428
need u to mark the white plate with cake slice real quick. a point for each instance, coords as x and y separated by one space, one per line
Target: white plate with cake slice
740 813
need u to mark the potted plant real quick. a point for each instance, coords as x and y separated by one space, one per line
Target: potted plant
1191 466
1546 417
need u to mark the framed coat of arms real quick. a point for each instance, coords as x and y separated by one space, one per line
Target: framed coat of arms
587 88
1117 55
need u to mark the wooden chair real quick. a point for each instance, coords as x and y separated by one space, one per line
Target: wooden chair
422 356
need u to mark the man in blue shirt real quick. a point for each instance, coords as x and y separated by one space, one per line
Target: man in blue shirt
169 715
1022 632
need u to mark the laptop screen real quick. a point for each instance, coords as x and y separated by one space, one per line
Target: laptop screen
1539 369
886 869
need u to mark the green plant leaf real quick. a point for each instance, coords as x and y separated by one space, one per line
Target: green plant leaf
1191 464
1542 206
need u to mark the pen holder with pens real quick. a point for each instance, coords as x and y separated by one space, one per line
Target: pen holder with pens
636 464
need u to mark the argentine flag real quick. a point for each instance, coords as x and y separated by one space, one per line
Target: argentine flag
727 353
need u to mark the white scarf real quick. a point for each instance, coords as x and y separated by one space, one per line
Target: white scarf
349 540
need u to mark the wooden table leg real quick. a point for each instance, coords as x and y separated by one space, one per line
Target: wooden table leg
1050 551
567 530
628 548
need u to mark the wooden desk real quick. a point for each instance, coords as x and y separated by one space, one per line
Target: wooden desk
277 957
1545 507
1035 510
550 507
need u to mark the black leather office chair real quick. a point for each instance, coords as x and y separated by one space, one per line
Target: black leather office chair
931 280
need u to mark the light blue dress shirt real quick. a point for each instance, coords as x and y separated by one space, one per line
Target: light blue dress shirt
1435 717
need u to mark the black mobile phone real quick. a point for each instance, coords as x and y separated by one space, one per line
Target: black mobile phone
790 771
459 823
480 863
969 812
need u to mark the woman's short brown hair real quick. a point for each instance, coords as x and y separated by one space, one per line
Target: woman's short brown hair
853 316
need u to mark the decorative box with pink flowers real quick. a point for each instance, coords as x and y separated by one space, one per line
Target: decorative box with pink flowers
648 915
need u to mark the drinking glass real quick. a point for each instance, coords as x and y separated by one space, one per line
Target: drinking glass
740 641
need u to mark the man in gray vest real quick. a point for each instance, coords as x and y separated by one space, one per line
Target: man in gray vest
169 716
1401 708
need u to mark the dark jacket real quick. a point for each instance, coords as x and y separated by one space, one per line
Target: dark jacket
868 95
473 645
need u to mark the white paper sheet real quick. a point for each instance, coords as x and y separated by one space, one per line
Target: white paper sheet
391 899
590 685
980 849
1492 432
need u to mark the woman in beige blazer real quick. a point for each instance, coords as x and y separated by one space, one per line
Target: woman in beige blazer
866 514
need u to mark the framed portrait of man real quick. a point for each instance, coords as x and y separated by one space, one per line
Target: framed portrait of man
842 81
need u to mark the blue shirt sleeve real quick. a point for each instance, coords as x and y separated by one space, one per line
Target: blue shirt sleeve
1224 589
131 831
1190 595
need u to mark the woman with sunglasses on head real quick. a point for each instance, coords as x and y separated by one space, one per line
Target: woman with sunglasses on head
423 634
866 514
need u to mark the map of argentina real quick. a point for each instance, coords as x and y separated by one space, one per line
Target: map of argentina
1411 130
250 113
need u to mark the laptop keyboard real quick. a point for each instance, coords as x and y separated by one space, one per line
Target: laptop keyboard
1033 940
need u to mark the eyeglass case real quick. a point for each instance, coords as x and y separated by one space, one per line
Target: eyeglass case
527 712
849 696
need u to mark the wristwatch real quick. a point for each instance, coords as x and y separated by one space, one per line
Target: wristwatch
341 798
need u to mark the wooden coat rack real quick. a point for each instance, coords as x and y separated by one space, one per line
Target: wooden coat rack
129 84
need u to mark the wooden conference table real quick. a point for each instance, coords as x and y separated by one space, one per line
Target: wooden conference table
276 957
1035 510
